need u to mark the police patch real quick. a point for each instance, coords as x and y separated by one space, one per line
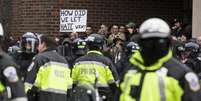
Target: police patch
193 81
11 74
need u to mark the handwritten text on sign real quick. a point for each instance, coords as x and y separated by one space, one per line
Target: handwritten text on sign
73 20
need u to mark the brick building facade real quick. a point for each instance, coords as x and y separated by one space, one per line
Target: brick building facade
42 16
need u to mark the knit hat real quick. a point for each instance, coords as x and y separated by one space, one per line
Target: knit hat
130 25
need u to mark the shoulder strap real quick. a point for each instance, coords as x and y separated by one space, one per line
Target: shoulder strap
135 91
139 90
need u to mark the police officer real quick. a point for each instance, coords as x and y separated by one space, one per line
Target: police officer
158 76
48 76
95 70
193 60
123 65
11 88
66 50
180 53
28 49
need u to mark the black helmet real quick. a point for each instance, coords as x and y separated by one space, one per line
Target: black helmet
29 42
132 47
79 46
192 47
66 41
95 40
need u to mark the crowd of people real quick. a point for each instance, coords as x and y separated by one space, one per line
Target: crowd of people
153 62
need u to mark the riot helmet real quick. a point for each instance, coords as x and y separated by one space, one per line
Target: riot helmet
95 42
191 49
79 47
132 47
29 43
154 40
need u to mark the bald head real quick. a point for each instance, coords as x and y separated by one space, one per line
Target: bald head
199 40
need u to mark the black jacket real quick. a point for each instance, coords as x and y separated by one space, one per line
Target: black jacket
9 78
123 65
194 64
24 60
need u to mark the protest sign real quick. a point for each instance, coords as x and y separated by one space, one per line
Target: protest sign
73 20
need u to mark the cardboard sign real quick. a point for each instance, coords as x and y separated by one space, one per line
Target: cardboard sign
73 20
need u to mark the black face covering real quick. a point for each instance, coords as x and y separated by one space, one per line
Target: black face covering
152 49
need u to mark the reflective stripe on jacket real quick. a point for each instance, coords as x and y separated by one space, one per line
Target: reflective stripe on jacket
85 72
156 86
94 65
53 77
